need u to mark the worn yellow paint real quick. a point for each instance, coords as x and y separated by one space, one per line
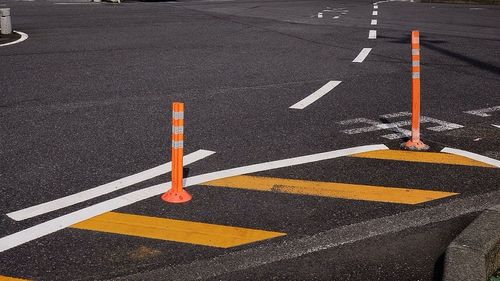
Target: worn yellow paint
331 189
175 230
6 278
423 157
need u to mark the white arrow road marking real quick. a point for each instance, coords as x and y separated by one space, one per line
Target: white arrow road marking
53 225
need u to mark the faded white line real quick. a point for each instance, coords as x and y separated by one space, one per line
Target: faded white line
374 22
395 126
292 248
472 156
336 17
372 34
362 55
316 95
24 36
53 225
103 189
375 13
483 112
76 3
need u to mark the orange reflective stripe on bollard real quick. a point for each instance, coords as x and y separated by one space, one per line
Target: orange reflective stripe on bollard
415 143
177 194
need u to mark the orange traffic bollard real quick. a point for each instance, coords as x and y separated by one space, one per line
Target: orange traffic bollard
177 194
415 143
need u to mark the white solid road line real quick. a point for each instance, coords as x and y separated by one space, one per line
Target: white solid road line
375 13
316 95
53 225
103 189
24 36
472 156
362 55
374 22
497 126
372 34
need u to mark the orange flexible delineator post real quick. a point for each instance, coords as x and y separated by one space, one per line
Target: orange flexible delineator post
177 194
415 143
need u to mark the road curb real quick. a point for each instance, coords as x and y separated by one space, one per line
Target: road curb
475 253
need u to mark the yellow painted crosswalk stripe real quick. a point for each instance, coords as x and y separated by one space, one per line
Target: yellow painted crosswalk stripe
212 235
423 157
331 189
7 278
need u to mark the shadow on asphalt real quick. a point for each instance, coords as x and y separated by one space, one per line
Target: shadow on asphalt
431 44
474 62
438 269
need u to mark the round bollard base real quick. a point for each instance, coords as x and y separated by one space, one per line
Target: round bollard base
176 197
414 145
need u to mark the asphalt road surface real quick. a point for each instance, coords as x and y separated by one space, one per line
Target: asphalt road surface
86 100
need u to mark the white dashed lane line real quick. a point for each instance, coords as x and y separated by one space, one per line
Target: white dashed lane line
372 34
375 13
316 95
362 55
374 22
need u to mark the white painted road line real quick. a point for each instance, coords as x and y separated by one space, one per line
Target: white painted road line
336 17
24 36
375 13
293 248
375 7
77 3
472 156
104 189
372 34
497 126
483 112
374 22
395 126
316 95
362 55
53 225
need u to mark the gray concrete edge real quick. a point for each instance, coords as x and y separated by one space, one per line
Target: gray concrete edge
296 247
475 253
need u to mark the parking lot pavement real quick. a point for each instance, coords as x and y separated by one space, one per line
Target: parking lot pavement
292 139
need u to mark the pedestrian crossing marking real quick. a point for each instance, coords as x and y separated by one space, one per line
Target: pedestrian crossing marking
331 189
422 157
212 235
